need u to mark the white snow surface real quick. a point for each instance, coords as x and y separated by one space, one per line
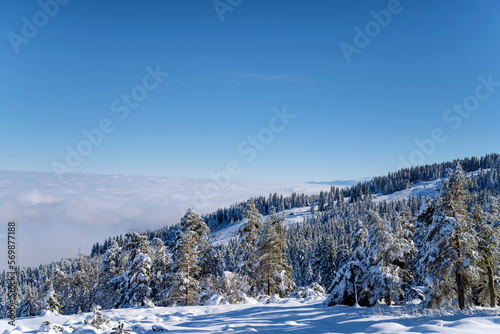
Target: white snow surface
287 315
292 216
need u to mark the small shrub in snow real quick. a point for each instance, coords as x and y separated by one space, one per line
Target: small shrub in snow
97 320
263 299
312 290
158 328
48 326
274 299
121 329
216 300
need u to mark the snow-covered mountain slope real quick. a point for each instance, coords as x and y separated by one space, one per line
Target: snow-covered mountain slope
424 189
287 315
292 216
427 189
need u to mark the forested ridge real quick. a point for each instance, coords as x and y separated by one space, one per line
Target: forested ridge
444 251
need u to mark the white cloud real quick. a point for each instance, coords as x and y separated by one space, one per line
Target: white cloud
54 219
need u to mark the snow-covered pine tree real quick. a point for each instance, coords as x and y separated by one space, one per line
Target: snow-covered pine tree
351 275
137 291
51 300
186 259
488 227
403 250
28 306
323 263
273 272
113 273
87 283
210 273
159 272
247 239
387 258
322 205
446 257
312 209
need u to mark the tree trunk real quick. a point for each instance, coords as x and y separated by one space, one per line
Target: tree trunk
459 279
460 290
491 286
187 288
388 299
269 275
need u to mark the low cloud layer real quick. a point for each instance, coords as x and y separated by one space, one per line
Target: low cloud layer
54 219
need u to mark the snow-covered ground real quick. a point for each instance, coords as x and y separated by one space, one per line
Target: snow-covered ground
425 189
293 216
287 315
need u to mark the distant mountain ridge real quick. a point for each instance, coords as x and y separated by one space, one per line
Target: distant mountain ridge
342 183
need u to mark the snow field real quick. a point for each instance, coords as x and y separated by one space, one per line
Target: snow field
286 315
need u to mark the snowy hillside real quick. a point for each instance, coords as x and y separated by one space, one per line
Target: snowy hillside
424 189
287 315
297 215
292 216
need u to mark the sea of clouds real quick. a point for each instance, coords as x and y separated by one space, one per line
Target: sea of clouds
54 219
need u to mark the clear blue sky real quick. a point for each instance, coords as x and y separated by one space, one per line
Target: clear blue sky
225 78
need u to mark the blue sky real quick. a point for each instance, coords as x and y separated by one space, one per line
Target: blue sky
352 119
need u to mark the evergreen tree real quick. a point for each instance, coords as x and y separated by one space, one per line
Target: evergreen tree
159 272
446 256
186 259
247 239
350 279
113 274
28 306
325 256
51 300
137 291
488 227
273 272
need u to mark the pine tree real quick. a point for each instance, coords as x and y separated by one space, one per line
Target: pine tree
325 256
28 306
51 300
488 227
159 272
273 272
186 259
448 240
388 255
137 291
350 279
113 274
247 238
